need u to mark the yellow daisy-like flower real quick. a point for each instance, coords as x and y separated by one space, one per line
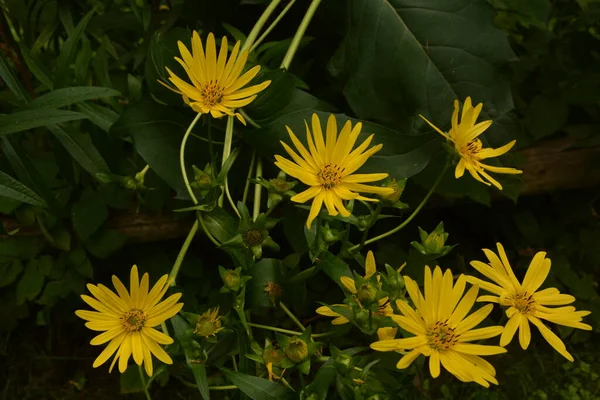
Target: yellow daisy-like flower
443 329
525 303
127 320
328 168
464 136
209 323
216 81
385 308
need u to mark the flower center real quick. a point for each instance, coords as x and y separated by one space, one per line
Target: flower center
524 303
330 175
212 93
441 336
472 148
134 320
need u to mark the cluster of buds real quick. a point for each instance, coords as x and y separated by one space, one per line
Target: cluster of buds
278 188
433 245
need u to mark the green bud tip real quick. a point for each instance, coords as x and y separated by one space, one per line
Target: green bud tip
296 350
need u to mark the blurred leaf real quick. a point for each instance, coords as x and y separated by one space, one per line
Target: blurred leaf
11 188
105 242
402 58
68 51
12 82
9 271
67 96
36 67
130 381
546 115
19 248
31 283
257 388
88 214
28 119
103 117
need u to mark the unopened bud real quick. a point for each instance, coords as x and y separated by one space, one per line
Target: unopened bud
344 363
296 350
367 293
397 187
253 237
280 185
232 280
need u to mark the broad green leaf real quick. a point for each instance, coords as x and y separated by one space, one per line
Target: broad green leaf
20 248
88 214
27 119
257 388
31 283
67 96
402 58
81 148
220 224
102 117
263 273
402 155
105 242
12 188
69 49
7 76
36 67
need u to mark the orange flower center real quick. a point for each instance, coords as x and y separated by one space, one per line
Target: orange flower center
524 303
472 149
134 320
212 93
441 336
330 175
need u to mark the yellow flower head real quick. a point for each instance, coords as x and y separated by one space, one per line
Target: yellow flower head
443 328
328 167
385 308
217 82
127 320
464 136
525 303
209 323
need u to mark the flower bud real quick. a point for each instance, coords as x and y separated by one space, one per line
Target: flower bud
280 185
209 323
232 280
296 350
397 187
253 237
344 363
129 183
367 293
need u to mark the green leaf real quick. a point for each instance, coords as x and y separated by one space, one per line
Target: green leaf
546 115
199 372
37 68
102 117
12 188
402 155
222 225
88 214
21 248
71 95
265 271
105 242
80 147
31 283
130 380
257 388
69 49
402 58
27 119
335 268
9 271
12 82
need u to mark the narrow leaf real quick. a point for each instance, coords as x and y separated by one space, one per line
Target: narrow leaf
102 117
69 49
23 120
37 68
257 388
67 96
199 372
12 82
12 188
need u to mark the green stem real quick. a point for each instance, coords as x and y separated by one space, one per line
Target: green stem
257 190
226 152
371 223
182 252
292 316
410 217
144 383
274 329
225 387
273 24
248 119
235 367
247 185
259 24
231 202
291 51
182 159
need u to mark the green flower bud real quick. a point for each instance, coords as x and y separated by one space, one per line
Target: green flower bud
232 280
296 350
129 183
274 356
280 185
253 237
434 241
344 363
398 188
367 293
209 323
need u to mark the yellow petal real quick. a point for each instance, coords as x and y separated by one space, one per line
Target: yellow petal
478 349
408 359
524 333
551 338
370 267
315 208
106 336
348 283
109 350
434 364
137 348
124 353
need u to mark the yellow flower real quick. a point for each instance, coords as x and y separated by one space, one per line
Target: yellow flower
209 323
385 308
128 318
216 82
464 136
328 168
443 328
525 303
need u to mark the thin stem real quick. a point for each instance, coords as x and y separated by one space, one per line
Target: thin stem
371 223
144 383
182 159
247 186
206 231
259 24
235 367
248 119
257 190
410 217
226 151
287 384
231 202
182 252
291 51
225 387
211 150
274 329
273 24
292 316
